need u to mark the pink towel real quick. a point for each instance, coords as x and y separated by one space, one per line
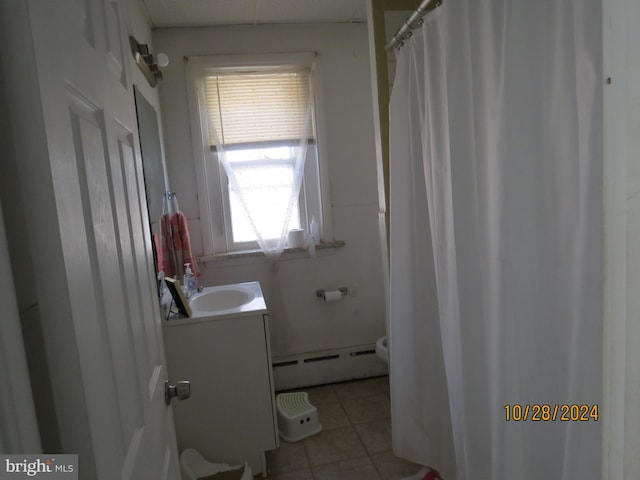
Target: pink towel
167 246
181 240
158 250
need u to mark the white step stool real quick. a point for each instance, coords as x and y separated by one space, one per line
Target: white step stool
297 418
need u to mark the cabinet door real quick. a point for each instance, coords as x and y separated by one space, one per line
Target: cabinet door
229 417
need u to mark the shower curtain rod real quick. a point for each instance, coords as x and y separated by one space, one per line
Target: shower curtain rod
414 21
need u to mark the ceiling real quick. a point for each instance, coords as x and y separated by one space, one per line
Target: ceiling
188 13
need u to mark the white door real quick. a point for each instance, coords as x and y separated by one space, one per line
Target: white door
100 259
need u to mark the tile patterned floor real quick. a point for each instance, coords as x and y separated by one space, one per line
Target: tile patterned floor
355 442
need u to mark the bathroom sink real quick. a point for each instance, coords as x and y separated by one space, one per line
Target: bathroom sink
221 299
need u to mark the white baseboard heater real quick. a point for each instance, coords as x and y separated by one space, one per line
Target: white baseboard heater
327 366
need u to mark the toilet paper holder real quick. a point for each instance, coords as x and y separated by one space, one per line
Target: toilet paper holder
343 290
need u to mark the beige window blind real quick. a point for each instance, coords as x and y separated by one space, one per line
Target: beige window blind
258 107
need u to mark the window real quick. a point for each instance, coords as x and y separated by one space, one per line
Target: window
262 115
267 174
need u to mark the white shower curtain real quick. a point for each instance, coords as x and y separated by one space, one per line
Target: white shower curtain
496 241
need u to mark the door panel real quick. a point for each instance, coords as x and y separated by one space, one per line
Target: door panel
78 14
133 292
113 40
93 200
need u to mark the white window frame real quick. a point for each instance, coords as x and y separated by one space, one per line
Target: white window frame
211 180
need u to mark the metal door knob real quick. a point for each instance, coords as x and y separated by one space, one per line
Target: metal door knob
181 390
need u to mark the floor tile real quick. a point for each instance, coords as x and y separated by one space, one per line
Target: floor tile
297 475
289 457
321 394
391 467
358 389
374 408
375 435
332 446
357 469
383 382
332 415
355 443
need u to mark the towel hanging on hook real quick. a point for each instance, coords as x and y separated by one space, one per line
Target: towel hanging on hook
176 241
182 243
174 203
166 237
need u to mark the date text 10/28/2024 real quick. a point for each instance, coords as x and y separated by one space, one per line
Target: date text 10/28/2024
572 412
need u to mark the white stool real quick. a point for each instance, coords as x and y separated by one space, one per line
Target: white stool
195 467
297 418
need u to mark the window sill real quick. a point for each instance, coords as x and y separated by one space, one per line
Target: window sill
298 252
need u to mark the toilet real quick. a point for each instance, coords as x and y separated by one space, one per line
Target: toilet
382 349
194 466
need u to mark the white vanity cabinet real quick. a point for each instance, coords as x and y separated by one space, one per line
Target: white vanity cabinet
230 416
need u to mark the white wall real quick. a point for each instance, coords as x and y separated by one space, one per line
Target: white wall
18 99
299 322
139 26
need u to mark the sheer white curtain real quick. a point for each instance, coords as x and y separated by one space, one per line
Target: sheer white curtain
252 188
496 239
267 120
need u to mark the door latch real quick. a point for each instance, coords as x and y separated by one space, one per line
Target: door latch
181 390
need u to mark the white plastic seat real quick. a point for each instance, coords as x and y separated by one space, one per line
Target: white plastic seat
297 418
194 467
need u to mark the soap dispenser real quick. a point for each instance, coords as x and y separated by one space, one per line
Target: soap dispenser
189 281
161 285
